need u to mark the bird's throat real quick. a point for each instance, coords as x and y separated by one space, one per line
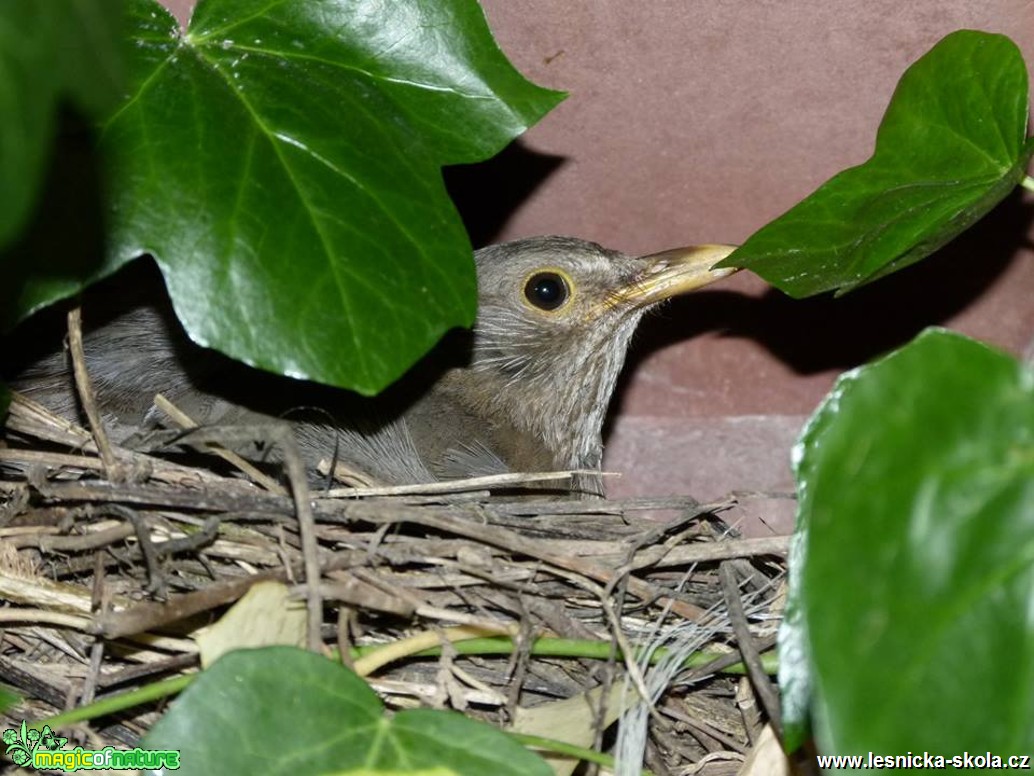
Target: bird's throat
548 418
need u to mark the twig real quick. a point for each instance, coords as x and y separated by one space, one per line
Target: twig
654 534
30 418
155 579
538 507
144 617
747 647
51 459
205 499
97 647
133 673
668 709
27 416
307 530
30 685
520 659
84 386
12 614
355 592
184 421
80 543
90 683
729 659
342 472
510 540
201 538
628 653
726 549
457 486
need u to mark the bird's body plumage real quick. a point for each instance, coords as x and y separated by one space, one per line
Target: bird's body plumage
526 391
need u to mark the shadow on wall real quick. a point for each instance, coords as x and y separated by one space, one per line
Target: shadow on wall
487 194
822 333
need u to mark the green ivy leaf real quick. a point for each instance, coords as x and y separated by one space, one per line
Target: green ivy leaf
282 162
952 144
48 51
916 486
284 710
795 673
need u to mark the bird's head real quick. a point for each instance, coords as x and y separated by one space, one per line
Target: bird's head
554 321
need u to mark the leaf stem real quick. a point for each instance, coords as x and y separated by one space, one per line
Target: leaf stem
1027 183
116 703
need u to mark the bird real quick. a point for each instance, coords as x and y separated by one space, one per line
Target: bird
525 390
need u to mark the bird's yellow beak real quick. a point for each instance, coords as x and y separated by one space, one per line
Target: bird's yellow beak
674 272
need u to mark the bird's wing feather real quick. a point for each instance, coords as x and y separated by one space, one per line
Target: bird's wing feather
470 459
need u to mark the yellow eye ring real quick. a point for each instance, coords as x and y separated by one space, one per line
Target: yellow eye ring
548 289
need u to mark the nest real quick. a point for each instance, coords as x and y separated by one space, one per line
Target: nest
113 559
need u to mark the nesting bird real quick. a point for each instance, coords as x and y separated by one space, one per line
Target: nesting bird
527 390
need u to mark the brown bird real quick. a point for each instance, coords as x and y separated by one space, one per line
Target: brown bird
526 390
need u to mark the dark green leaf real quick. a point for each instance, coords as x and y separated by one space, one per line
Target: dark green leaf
952 144
48 50
916 486
282 162
284 710
795 677
8 698
63 245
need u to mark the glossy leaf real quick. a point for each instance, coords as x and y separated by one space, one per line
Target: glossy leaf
951 145
916 487
795 674
281 710
49 51
282 162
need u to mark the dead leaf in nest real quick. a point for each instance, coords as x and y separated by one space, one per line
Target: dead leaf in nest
266 615
572 720
767 757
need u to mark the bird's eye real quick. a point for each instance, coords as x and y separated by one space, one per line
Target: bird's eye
546 290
